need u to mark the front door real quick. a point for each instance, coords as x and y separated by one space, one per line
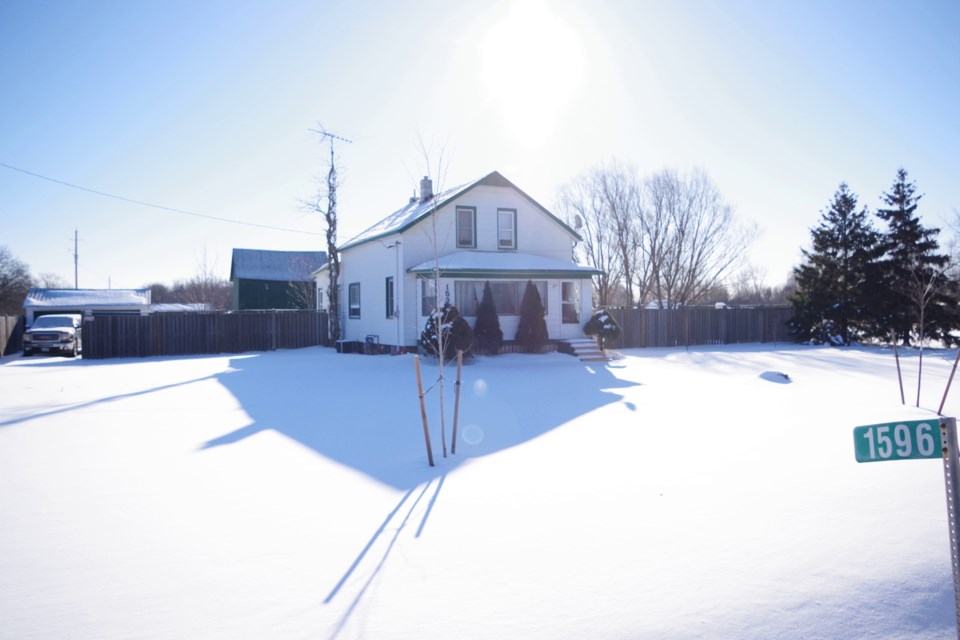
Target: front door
570 325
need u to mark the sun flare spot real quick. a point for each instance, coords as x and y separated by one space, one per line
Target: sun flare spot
531 65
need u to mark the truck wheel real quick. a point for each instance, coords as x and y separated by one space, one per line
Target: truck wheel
27 353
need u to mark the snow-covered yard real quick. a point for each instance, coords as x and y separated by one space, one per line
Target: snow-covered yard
670 494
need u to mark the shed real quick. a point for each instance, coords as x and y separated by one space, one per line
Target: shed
265 279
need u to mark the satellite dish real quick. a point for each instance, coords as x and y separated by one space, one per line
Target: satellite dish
577 221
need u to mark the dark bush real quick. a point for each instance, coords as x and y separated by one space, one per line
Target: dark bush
448 326
532 330
487 330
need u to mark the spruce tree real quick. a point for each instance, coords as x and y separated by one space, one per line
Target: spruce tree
487 330
446 327
532 330
918 300
838 281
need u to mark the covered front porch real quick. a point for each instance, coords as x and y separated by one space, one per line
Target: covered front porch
565 288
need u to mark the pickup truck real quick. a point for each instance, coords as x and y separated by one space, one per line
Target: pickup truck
55 333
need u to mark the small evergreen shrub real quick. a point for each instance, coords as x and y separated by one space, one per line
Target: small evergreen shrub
487 330
455 332
532 330
602 325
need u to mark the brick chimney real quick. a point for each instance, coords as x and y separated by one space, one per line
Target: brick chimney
426 189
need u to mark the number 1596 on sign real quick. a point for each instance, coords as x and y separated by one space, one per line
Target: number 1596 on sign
898 441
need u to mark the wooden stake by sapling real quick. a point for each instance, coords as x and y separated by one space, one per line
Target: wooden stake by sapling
456 403
949 382
896 355
423 410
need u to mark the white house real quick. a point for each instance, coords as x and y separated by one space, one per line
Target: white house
445 246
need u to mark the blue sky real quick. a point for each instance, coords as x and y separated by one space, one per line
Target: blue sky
207 107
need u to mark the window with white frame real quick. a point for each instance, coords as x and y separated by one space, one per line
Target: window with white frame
353 302
506 228
467 227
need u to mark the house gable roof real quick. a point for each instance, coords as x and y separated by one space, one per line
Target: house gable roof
278 266
415 211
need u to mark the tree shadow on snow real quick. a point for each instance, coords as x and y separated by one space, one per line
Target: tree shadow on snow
363 411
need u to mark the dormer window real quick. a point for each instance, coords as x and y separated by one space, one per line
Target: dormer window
506 228
467 227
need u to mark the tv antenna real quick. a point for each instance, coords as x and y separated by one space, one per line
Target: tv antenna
327 135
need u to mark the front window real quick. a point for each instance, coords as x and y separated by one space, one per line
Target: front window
507 295
428 297
353 294
466 227
507 228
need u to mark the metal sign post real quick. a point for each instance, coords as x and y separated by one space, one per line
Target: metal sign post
951 479
917 440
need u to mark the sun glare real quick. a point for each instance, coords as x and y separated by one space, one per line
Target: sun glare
531 65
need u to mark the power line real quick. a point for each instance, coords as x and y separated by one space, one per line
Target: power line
156 206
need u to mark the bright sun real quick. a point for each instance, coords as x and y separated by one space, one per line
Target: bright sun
531 65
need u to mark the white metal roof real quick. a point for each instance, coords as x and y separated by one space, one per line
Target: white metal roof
86 298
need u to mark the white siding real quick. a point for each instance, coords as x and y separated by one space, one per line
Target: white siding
371 263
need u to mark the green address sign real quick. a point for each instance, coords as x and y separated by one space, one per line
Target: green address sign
898 441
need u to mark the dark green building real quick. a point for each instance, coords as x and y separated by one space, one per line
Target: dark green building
274 279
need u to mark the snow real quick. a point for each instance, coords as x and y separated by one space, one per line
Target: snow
709 493
500 261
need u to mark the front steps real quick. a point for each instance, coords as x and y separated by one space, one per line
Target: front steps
586 349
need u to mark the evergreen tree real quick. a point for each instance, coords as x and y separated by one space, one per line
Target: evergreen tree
838 281
602 325
487 328
446 327
919 299
532 330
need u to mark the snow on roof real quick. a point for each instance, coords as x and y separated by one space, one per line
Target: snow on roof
407 215
491 263
178 307
87 298
279 266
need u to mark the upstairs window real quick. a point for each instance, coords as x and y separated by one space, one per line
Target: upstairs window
467 227
506 228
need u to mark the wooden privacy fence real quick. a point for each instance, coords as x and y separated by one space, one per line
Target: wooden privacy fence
699 326
11 334
174 334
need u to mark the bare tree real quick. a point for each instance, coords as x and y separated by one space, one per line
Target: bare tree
160 293
15 282
302 289
326 204
580 200
669 238
205 287
49 280
438 319
691 236
925 285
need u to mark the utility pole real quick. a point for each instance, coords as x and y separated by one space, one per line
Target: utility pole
76 261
